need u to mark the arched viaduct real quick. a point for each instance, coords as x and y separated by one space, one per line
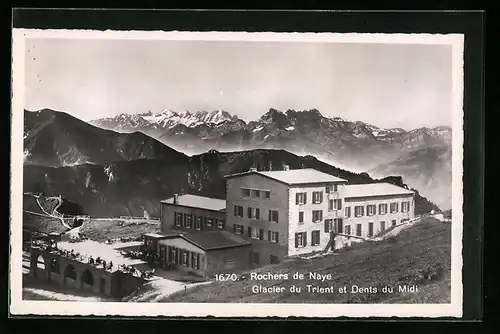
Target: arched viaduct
58 269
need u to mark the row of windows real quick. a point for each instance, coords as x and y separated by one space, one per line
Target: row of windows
255 213
185 258
317 198
371 209
255 193
336 225
256 233
189 220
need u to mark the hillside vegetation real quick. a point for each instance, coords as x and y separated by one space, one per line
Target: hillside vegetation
419 255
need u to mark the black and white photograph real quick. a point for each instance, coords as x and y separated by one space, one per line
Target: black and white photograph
236 174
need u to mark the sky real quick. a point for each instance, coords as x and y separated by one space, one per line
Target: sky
387 85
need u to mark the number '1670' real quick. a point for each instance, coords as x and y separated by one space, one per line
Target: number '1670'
226 277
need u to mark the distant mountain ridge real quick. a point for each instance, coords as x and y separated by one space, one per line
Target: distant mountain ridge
56 139
356 145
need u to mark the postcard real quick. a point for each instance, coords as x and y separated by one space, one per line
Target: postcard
236 174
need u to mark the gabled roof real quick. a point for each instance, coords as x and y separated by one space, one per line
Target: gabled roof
295 176
211 240
374 189
194 201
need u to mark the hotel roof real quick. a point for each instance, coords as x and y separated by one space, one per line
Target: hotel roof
295 176
374 189
211 240
194 201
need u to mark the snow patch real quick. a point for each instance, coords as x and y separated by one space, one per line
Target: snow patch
258 129
290 128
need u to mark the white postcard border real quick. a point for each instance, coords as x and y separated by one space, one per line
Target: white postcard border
27 307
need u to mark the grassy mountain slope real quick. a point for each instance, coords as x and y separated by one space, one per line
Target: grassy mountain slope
419 255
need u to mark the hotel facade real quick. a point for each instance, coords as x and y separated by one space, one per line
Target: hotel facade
292 212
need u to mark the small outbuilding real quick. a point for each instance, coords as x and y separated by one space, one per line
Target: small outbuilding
205 253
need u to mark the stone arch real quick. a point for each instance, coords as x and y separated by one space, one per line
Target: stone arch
87 277
40 262
70 272
54 266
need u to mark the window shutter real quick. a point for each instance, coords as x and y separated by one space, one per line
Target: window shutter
327 188
277 237
198 261
261 234
249 232
305 198
320 214
326 226
296 240
297 198
277 216
270 215
340 204
249 211
269 235
257 213
234 228
321 197
235 210
305 238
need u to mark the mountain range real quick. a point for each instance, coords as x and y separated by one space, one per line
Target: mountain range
112 174
355 145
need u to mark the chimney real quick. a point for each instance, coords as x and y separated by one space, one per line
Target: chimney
176 199
286 167
253 169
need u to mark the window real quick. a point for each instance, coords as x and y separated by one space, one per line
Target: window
255 258
238 211
274 236
210 222
194 261
394 207
197 223
370 210
338 225
330 205
189 221
178 219
300 198
370 229
329 188
184 258
273 216
394 222
229 259
382 225
255 233
359 211
267 194
337 204
256 193
254 213
245 192
405 206
274 259
358 230
239 229
335 188
382 209
300 239
317 215
315 238
328 225
317 197
301 217
221 223
347 211
348 229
